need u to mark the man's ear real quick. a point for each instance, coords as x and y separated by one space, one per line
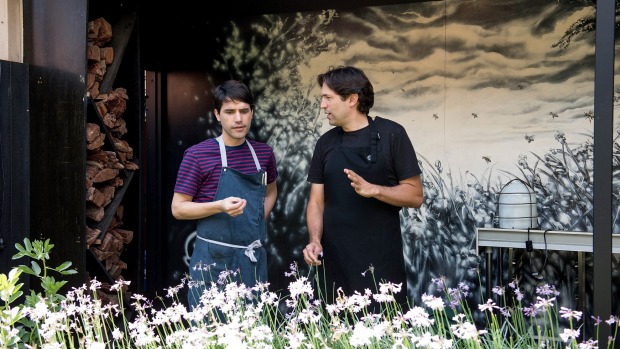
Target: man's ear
353 98
217 114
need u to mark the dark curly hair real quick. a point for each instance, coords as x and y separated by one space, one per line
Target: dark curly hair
348 80
232 90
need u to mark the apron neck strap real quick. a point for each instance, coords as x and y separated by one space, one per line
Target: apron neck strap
225 159
374 139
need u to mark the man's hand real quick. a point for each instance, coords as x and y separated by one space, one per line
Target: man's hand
360 185
233 205
407 193
313 253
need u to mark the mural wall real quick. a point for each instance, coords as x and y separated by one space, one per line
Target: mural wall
488 90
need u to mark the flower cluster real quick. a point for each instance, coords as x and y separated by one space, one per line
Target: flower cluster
232 315
236 316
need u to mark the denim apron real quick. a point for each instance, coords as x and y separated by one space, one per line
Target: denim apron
231 244
359 233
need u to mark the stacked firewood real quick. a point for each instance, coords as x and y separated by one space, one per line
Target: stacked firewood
111 109
103 179
102 174
108 159
99 55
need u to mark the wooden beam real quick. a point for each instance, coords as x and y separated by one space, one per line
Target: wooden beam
603 166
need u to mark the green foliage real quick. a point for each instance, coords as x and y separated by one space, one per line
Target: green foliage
38 251
10 288
257 318
15 326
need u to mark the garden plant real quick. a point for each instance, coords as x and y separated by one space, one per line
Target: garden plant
232 315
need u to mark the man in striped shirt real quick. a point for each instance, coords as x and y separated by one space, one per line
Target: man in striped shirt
227 184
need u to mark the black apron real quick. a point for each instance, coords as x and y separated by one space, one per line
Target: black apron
225 243
359 233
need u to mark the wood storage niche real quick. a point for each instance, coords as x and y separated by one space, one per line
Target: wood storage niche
110 160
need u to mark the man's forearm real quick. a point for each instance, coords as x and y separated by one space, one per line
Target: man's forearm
270 198
314 219
403 195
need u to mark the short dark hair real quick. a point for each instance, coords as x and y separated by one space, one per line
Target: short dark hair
232 90
348 80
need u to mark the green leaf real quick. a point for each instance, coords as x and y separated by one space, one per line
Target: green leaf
28 244
26 270
19 247
50 285
63 266
32 299
48 246
22 251
19 255
16 294
35 267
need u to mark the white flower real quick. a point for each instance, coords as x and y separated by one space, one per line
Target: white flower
570 314
295 340
357 302
383 298
39 311
95 285
433 302
117 334
300 287
293 270
589 344
427 340
547 290
518 294
389 287
308 316
96 345
465 330
261 334
569 334
362 335
118 285
418 317
544 303
332 309
489 305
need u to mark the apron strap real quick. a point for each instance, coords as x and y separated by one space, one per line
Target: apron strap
223 153
249 249
374 140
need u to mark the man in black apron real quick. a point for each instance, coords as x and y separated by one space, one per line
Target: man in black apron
228 184
363 172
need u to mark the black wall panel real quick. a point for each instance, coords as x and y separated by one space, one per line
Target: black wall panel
14 160
55 48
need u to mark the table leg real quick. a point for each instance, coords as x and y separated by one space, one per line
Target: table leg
489 254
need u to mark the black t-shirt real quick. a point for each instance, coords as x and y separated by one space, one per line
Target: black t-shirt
394 143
